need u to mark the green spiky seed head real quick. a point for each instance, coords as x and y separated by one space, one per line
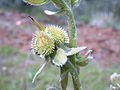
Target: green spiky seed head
42 44
59 34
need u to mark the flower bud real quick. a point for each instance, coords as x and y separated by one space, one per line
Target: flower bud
84 60
58 34
42 44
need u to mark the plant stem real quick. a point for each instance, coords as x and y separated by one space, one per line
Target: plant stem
73 38
72 28
64 77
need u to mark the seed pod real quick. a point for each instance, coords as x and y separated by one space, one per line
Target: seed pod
59 34
42 44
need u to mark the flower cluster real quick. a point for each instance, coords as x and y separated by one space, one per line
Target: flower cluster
42 44
50 41
44 41
59 34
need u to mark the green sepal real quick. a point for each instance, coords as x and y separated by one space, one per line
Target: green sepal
83 61
36 2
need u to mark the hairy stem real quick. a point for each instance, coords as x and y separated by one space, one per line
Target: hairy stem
72 28
73 37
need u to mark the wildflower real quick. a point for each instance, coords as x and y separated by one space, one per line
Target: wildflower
59 34
42 44
60 58
115 80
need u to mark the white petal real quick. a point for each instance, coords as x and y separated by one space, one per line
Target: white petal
60 58
75 50
49 12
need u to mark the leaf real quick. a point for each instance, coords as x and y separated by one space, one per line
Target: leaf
37 24
75 50
64 77
75 2
68 2
54 13
60 58
75 75
58 3
38 72
35 2
76 82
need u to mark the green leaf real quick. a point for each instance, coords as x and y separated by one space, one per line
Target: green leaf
75 2
75 75
75 50
39 71
35 2
64 77
60 58
54 13
76 82
37 24
59 3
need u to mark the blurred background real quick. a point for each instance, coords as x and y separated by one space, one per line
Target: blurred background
98 25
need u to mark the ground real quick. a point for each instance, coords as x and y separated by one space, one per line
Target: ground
18 65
